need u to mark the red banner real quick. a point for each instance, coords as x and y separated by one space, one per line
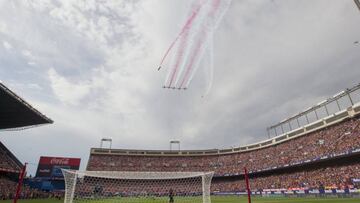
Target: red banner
44 160
51 166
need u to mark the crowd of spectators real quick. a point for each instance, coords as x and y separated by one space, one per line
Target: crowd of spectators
329 141
8 191
337 177
8 165
330 177
333 140
6 162
7 188
334 177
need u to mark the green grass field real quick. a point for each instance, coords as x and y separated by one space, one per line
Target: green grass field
229 199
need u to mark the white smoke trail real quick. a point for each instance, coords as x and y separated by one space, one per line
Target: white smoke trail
195 66
210 66
201 38
195 39
174 56
190 43
193 15
181 43
209 28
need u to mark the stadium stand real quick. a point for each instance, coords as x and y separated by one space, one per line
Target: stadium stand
10 166
8 162
8 186
334 140
325 156
16 114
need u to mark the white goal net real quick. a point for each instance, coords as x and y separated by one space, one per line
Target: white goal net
123 187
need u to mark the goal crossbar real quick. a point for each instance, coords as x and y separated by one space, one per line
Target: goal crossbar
137 175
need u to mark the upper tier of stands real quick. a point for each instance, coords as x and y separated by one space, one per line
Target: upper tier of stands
324 123
335 140
8 162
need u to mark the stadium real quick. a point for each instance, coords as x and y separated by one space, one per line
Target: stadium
329 162
328 166
312 156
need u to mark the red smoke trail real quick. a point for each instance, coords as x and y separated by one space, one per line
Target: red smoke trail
203 35
179 57
215 7
186 26
191 63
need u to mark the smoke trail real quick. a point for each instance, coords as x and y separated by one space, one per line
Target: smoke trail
183 30
211 48
210 51
192 61
181 44
196 55
208 28
195 65
193 41
180 55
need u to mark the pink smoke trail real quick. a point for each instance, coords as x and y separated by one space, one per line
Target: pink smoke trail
180 57
203 35
185 27
191 63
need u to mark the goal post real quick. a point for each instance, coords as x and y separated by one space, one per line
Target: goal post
125 186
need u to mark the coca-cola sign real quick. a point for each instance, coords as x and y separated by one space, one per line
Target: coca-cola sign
59 161
45 160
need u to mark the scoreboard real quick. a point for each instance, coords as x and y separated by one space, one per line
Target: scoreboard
50 167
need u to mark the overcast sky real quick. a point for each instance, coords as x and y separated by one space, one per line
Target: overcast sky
92 68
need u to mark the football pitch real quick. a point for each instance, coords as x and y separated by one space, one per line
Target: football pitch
225 199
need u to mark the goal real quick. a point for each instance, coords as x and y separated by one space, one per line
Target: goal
123 187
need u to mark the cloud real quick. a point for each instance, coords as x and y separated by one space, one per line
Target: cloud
7 45
3 27
66 91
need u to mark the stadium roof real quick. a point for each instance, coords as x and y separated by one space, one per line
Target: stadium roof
16 113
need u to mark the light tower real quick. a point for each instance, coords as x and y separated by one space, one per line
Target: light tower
174 142
106 140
